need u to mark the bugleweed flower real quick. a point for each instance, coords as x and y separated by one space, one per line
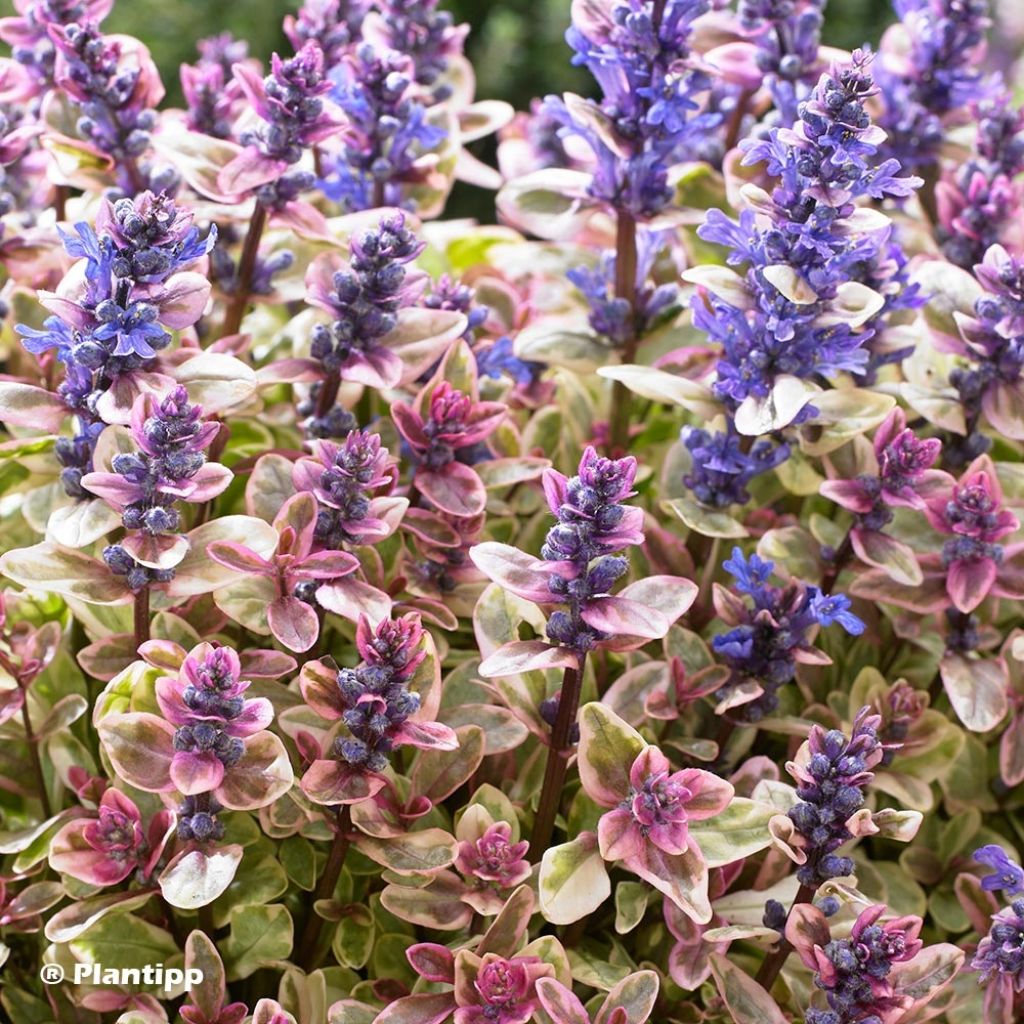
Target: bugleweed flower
1000 956
494 858
648 117
832 773
113 311
581 560
211 92
332 24
802 311
593 528
387 135
930 74
786 34
427 35
169 466
503 991
345 480
379 710
108 849
28 32
205 703
770 637
972 511
980 204
613 317
993 343
294 115
721 468
116 87
364 297
856 973
1007 874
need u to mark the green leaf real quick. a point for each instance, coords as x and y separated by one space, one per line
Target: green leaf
123 940
261 936
607 749
741 830
707 522
353 939
412 853
630 905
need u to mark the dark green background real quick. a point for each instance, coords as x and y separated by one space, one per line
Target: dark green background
516 45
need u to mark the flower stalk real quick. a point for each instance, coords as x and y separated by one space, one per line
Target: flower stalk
558 757
246 267
305 955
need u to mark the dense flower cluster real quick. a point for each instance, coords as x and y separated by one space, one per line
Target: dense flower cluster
388 130
805 257
593 527
773 634
931 74
856 973
830 783
649 116
375 696
363 298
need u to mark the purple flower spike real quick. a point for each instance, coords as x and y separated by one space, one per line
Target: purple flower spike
831 778
801 253
857 973
930 74
205 703
651 88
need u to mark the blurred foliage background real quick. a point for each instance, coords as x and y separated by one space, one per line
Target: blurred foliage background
515 45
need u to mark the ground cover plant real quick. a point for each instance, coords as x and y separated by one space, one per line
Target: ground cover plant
609 612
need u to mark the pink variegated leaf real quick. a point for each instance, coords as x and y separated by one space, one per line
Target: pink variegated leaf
670 596
350 598
619 616
334 782
294 623
607 749
199 772
427 735
240 558
455 489
683 878
432 962
526 656
319 686
25 405
141 747
560 1004
519 573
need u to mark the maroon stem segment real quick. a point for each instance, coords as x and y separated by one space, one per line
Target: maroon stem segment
558 759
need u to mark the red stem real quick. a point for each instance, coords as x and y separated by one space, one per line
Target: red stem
247 265
558 759
306 951
141 617
625 288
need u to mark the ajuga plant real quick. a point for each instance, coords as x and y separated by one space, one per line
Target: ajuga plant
603 612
